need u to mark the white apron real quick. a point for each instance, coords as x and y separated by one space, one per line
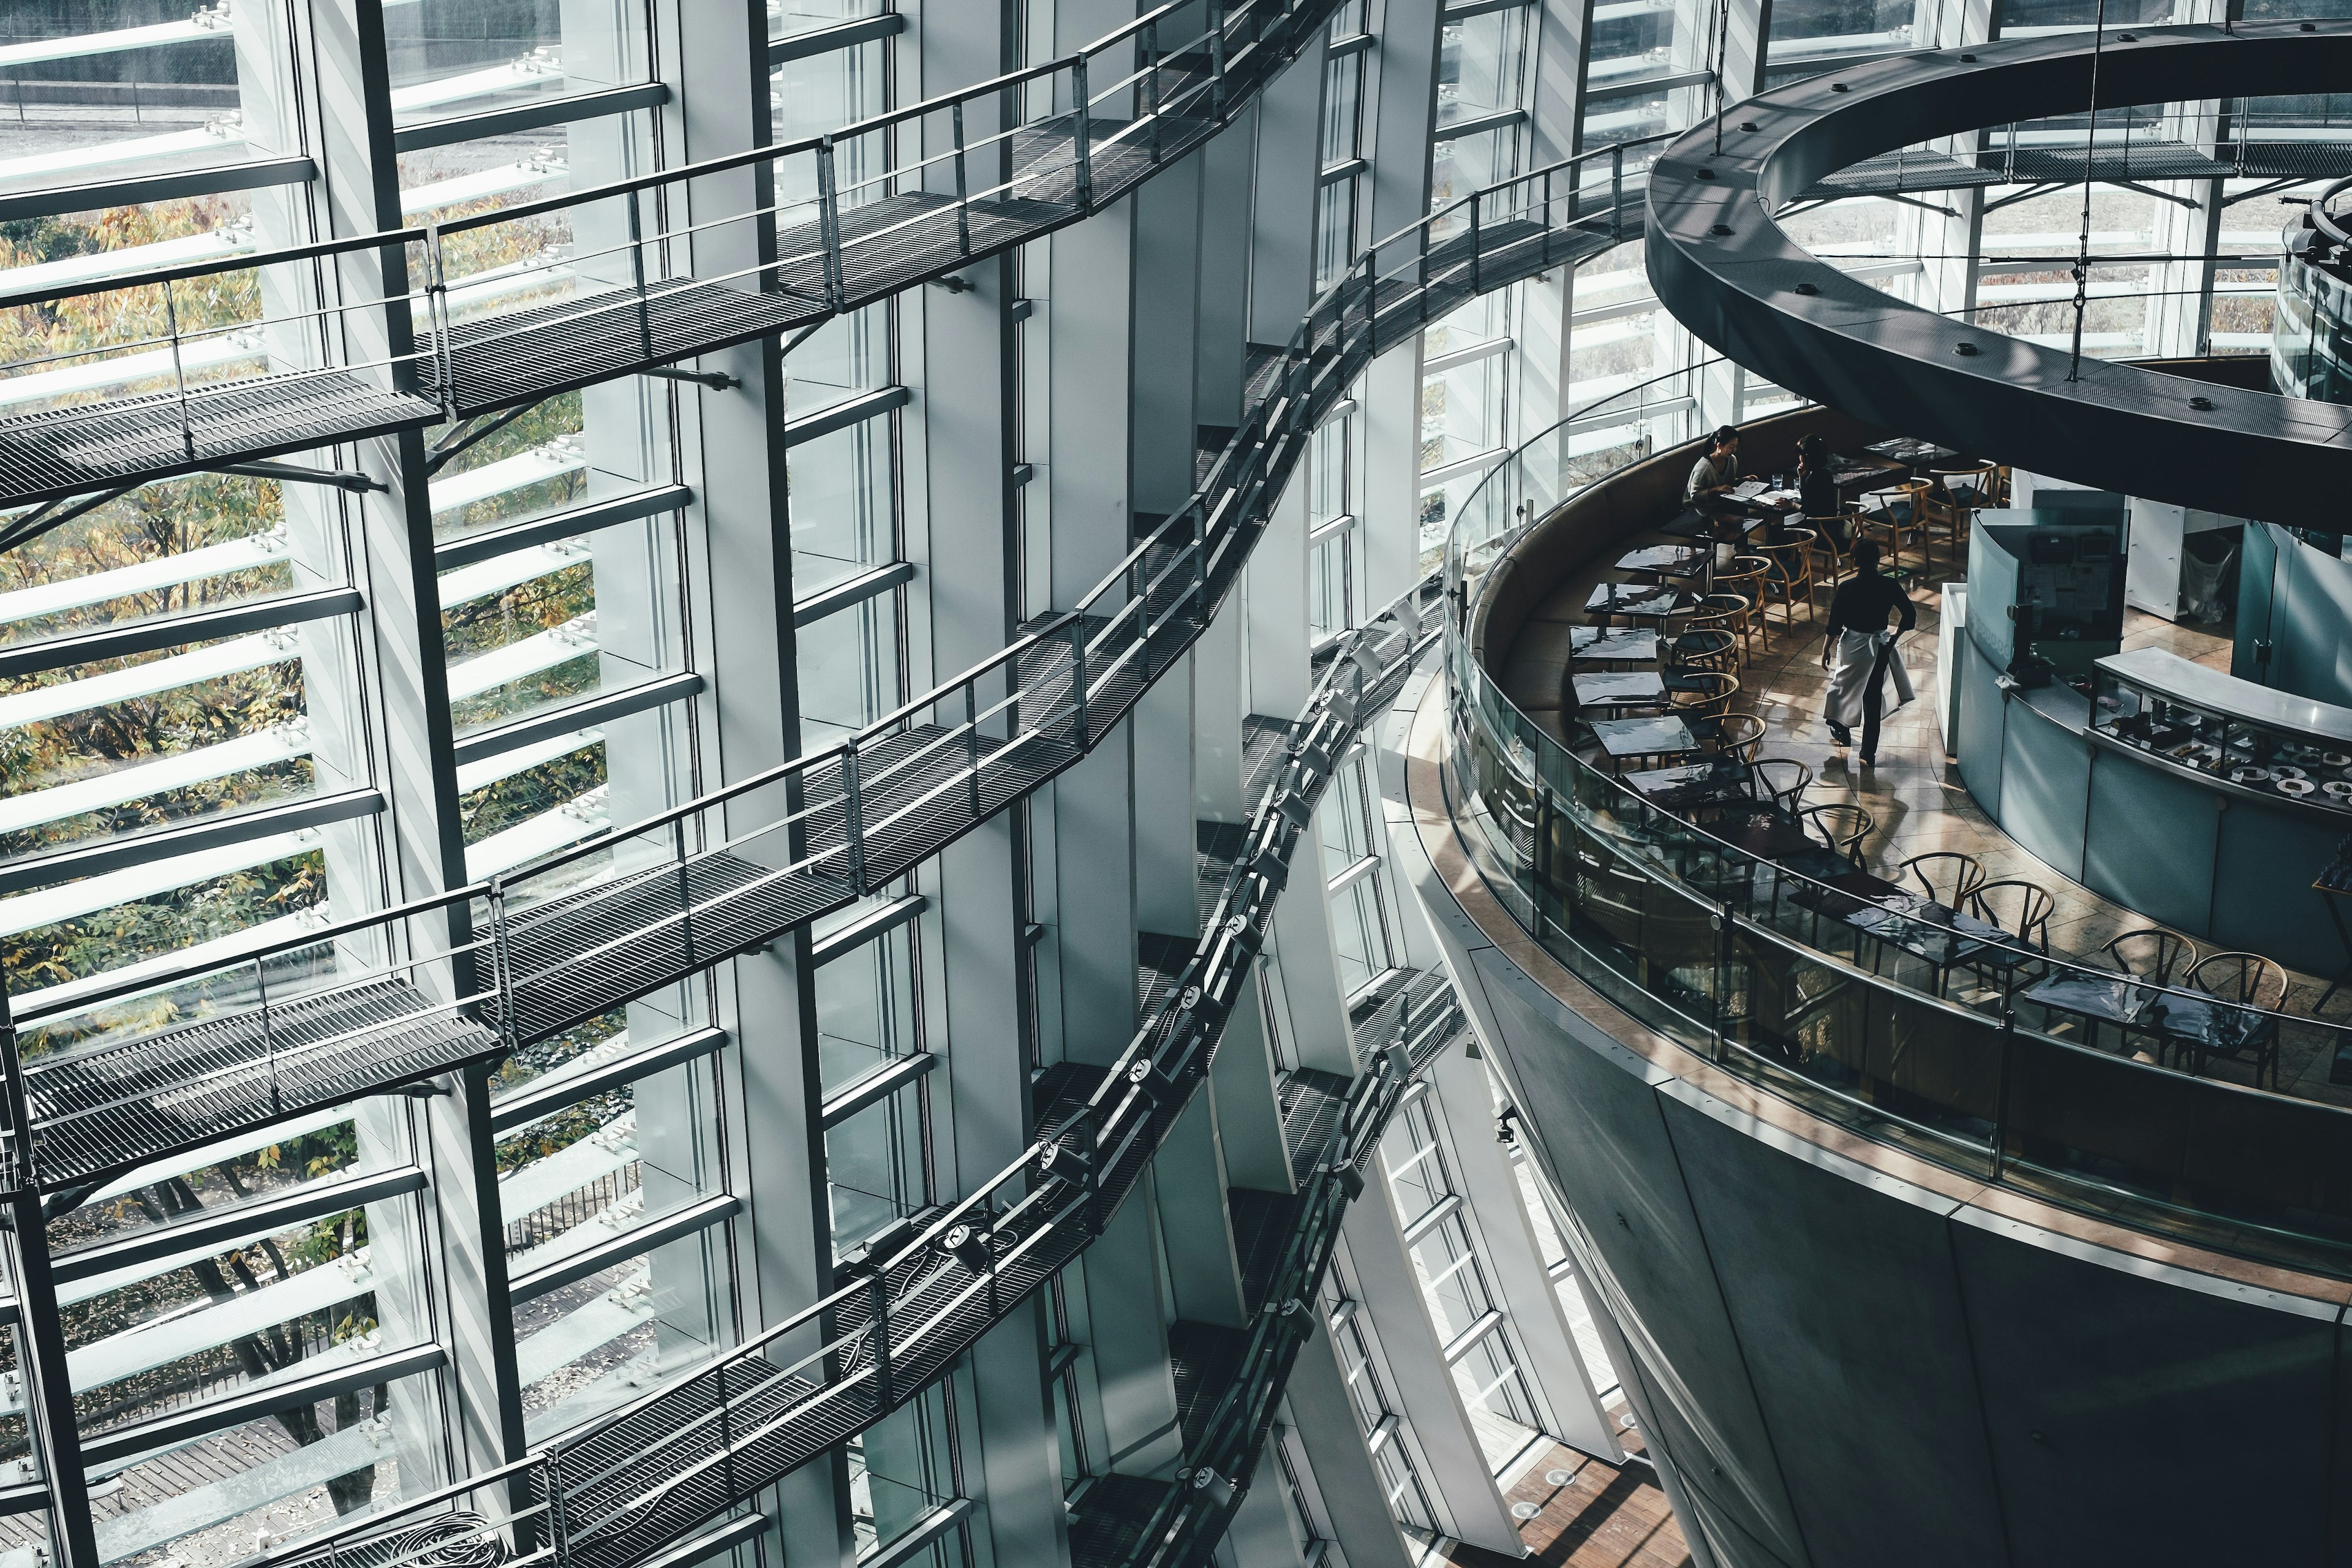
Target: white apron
1856 651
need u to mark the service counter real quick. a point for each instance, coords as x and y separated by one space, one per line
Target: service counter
2195 798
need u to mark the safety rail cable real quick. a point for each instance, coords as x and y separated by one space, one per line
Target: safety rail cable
1986 1086
561 939
651 1472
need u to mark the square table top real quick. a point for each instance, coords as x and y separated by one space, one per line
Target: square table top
1914 452
1609 642
1673 560
1644 737
1632 599
1917 924
2121 999
1603 688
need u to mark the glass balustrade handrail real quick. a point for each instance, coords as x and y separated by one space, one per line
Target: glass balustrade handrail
1707 953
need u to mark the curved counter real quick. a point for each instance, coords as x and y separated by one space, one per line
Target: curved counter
2230 864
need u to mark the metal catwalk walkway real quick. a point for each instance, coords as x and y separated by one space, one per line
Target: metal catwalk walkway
616 1492
370 1004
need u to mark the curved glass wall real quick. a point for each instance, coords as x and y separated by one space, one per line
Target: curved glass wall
1751 964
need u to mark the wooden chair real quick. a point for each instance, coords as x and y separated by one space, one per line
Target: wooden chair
1726 613
1703 694
2243 980
1894 519
1832 563
1950 506
1736 735
1946 876
1703 644
2153 954
1842 826
1745 581
1791 578
1780 780
2019 908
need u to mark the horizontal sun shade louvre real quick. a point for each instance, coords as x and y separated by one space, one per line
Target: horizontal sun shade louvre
506 764
231 658
599 1243
146 577
219 135
200 765
843 414
534 1186
568 717
551 462
824 40
511 570
195 354
534 70
504 180
30 911
522 658
144 1255
549 831
155 634
302 1472
608 1065
229 239
591 1326
354 1364
48 866
201 955
202 26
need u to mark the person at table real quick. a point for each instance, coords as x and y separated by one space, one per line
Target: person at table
1817 490
1867 666
1718 471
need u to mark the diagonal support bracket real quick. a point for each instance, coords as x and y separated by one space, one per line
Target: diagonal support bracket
714 380
357 484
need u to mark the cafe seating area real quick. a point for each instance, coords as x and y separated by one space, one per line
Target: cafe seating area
1683 665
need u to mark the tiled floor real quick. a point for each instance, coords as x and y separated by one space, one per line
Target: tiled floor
1586 1514
1914 796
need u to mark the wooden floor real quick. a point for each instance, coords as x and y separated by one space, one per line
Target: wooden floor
1588 1515
1914 796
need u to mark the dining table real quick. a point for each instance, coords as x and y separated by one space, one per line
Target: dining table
1664 735
1618 689
1666 559
1938 935
1633 601
1617 644
2204 1027
1688 787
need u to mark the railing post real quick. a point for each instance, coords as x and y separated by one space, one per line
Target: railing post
1081 128
963 191
559 1516
1617 190
1151 83
828 212
1216 59
879 1314
268 1037
637 267
1079 676
685 897
179 375
853 818
1200 561
2001 1092
1473 241
503 978
972 742
1420 271
437 317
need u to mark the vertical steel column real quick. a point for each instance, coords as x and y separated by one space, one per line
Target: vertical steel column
40 1338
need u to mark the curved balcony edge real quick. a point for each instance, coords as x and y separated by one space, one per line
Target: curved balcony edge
1840 1353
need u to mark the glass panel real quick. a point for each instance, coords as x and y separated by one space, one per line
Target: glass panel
786 18
849 671
607 1164
866 1008
876 1166
469 177
269 1481
843 505
454 56
1481 66
599 1342
903 1467
81 107
110 747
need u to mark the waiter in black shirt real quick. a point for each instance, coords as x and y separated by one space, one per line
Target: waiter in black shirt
1866 663
1817 488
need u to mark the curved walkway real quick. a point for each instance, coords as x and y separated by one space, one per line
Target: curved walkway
1726 270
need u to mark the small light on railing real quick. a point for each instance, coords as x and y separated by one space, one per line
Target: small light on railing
1964 349
1721 228
1968 59
1809 289
1840 87
2202 404
1748 125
